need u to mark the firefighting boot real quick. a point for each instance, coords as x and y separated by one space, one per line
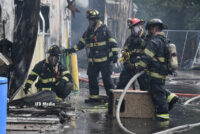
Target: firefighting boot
172 99
96 99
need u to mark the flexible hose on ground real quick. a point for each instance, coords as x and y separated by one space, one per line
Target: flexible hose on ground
179 94
168 131
121 99
192 99
171 130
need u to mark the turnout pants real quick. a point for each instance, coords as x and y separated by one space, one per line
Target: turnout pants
93 72
125 77
159 97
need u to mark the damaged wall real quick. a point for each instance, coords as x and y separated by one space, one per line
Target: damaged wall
25 37
8 15
60 23
58 32
116 14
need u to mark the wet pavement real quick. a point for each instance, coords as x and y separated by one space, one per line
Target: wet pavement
93 119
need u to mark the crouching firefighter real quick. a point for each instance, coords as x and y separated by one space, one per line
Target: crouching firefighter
51 75
102 52
132 49
154 60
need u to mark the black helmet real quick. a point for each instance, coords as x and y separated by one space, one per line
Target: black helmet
54 50
156 22
92 14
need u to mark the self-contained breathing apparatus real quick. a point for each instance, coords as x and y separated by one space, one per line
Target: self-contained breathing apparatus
171 57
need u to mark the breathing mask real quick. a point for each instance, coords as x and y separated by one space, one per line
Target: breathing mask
53 60
92 24
136 30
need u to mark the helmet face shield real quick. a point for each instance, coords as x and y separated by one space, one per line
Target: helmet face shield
53 60
91 24
136 30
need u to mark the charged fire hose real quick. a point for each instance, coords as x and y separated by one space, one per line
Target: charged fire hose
121 99
192 99
180 128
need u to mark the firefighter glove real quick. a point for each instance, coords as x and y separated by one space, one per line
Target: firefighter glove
70 50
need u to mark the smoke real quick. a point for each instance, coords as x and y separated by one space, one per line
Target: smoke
82 3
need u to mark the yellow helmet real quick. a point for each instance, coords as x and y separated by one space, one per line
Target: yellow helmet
92 14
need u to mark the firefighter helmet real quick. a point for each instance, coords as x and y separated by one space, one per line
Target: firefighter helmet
92 14
156 22
134 21
54 50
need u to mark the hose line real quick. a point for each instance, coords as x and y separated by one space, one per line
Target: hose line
121 99
183 127
192 99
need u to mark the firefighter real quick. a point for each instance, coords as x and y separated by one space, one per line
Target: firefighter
102 52
51 74
132 49
154 60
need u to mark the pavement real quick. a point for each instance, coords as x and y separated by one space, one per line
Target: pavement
93 118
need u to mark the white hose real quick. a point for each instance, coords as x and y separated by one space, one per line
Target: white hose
171 130
186 126
192 99
120 102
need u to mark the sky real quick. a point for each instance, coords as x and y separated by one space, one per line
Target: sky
83 3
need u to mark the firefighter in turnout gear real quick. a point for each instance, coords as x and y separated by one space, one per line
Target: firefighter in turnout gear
102 52
51 75
154 60
133 47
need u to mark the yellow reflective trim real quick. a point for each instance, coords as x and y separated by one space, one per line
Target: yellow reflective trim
49 89
112 40
65 78
114 49
156 75
161 59
164 116
83 41
33 73
91 35
58 98
170 97
48 80
65 72
125 47
29 81
94 96
141 63
143 44
110 54
136 51
99 44
148 52
91 45
75 47
98 59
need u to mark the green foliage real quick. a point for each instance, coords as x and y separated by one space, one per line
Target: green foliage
177 14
